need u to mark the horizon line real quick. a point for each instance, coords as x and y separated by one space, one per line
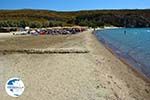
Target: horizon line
77 10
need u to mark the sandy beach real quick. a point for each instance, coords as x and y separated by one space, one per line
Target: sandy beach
5 35
94 75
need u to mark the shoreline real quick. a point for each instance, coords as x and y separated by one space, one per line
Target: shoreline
124 60
137 73
129 69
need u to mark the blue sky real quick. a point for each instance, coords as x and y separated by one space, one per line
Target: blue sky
73 5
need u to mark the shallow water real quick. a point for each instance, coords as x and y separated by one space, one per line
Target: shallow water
133 44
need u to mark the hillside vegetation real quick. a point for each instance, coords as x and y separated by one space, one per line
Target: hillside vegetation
91 18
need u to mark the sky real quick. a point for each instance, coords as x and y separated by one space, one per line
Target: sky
74 5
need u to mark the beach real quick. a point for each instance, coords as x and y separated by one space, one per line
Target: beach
94 75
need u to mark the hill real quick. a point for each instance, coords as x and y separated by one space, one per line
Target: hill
91 18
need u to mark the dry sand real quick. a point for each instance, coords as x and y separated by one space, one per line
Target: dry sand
97 75
5 35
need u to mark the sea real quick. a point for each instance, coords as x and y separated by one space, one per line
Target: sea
130 44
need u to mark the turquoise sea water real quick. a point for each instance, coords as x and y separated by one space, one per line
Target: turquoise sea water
132 44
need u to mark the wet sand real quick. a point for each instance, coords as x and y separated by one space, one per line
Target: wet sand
126 60
96 75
